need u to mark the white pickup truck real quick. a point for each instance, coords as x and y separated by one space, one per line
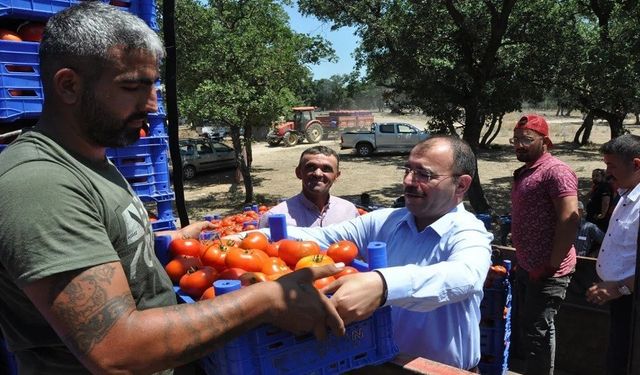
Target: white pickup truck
383 137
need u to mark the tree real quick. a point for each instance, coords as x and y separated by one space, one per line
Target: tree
600 55
461 62
239 63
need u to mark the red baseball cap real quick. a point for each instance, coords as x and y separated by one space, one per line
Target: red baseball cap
536 123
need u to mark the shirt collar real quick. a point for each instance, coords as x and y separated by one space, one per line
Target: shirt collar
535 164
310 205
440 226
632 195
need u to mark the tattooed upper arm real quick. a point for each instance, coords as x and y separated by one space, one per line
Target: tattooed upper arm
83 306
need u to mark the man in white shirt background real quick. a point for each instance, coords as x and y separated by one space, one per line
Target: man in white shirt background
617 257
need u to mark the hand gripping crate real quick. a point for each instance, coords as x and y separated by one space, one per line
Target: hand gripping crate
495 325
270 350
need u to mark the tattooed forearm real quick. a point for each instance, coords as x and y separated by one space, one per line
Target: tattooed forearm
187 317
82 303
84 335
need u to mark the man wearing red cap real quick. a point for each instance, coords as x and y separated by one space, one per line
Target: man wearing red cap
544 211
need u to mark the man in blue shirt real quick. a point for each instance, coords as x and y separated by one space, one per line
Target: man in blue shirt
438 256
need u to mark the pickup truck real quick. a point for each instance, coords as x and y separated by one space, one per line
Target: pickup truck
383 137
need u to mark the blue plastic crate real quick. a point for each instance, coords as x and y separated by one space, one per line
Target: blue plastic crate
161 206
2 147
270 350
493 340
495 327
157 125
8 363
43 9
495 300
21 93
490 365
160 225
33 9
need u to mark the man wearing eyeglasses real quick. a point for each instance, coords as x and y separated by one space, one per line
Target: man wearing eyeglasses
438 256
544 222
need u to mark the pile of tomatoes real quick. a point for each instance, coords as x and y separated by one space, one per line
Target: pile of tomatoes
196 265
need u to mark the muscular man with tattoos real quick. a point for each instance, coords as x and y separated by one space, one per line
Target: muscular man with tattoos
80 288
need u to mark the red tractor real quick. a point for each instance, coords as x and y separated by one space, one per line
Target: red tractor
305 125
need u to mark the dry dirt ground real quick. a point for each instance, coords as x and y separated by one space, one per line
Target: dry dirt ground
274 178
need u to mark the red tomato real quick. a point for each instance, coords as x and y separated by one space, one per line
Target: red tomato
143 133
291 251
31 31
343 251
179 265
249 278
274 265
313 261
9 35
263 208
231 274
362 211
189 247
215 256
321 283
195 282
348 270
210 293
255 240
248 259
272 249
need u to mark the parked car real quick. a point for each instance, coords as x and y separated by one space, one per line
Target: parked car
383 137
199 155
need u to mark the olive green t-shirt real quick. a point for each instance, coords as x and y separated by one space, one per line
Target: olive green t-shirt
61 212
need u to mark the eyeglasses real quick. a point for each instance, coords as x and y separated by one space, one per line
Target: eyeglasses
424 176
523 141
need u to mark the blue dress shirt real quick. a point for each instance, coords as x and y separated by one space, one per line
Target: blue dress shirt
435 277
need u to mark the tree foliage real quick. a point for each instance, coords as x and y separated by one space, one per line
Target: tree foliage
239 63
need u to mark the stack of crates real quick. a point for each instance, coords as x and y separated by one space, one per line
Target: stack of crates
495 322
144 164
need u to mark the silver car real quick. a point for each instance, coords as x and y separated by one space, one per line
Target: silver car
200 155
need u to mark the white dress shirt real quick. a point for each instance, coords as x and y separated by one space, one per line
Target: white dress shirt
617 257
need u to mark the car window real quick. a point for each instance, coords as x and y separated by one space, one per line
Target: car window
204 148
219 147
403 128
186 149
386 128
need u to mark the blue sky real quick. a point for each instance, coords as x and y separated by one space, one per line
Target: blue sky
342 40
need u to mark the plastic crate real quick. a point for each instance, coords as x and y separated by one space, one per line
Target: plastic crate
495 301
145 165
157 125
270 350
43 9
160 225
490 365
8 364
161 206
495 327
2 147
21 93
